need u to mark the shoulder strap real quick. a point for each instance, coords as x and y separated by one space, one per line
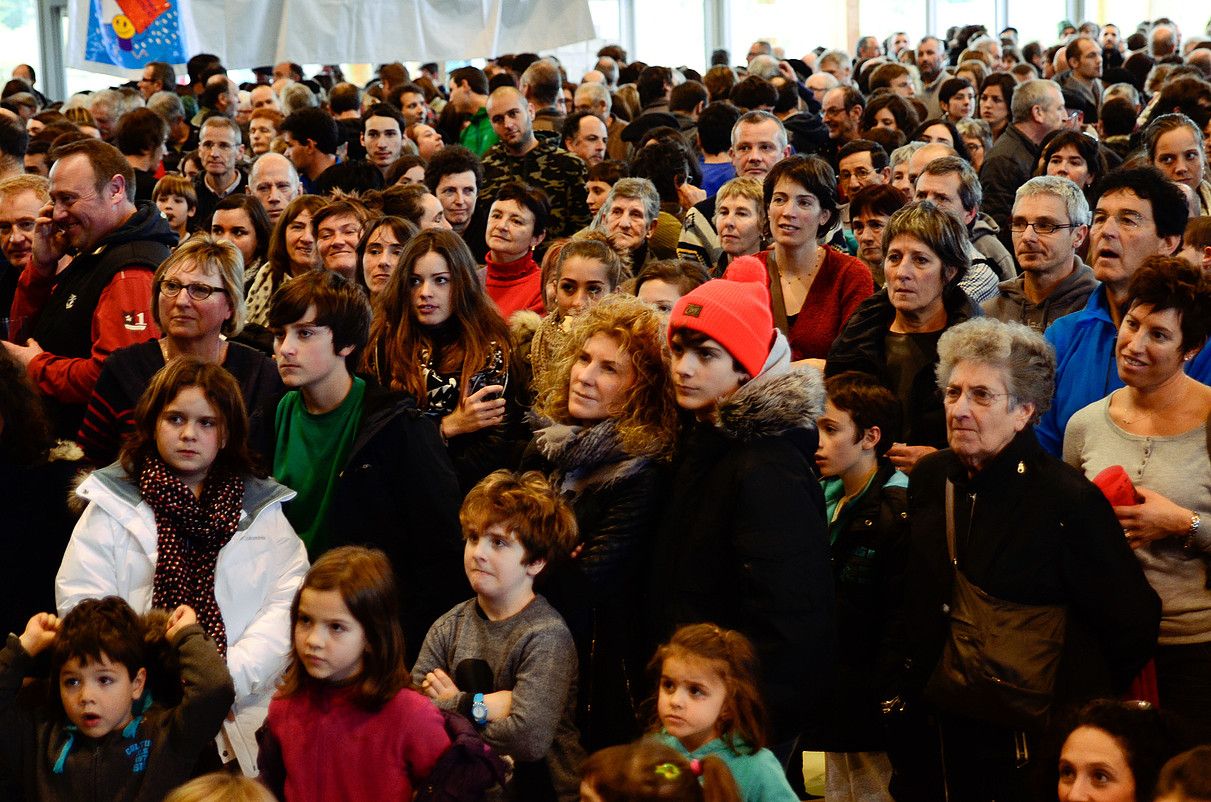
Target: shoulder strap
950 523
777 304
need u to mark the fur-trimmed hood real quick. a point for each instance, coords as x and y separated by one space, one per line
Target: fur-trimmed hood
778 399
587 455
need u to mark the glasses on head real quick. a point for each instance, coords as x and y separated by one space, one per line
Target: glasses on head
198 292
981 396
1039 226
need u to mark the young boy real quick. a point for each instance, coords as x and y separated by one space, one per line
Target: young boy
743 542
96 746
866 505
177 200
505 659
368 467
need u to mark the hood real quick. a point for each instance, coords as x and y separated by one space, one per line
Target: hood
984 226
779 399
1079 281
576 449
145 224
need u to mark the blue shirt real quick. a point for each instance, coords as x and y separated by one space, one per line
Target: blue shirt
1085 367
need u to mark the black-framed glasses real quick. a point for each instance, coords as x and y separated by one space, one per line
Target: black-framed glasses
1040 226
198 292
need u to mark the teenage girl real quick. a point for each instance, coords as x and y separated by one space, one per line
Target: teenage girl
646 771
346 723
708 705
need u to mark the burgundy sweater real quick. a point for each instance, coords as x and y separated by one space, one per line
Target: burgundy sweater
841 284
319 746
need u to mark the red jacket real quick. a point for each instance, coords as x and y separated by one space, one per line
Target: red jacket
319 746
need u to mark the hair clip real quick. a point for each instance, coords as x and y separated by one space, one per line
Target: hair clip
696 767
669 771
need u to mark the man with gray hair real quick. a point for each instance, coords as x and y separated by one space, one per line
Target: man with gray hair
759 142
1050 222
628 217
596 99
1163 42
542 85
182 137
1037 110
108 106
274 182
867 48
955 179
764 66
836 63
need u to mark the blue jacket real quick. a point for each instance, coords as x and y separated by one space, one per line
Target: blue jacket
1085 369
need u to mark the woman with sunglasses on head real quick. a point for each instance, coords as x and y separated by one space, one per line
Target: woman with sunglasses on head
199 304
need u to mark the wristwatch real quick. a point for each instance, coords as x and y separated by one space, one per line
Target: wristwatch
479 710
1191 533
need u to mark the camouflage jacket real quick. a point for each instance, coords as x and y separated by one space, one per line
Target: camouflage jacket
550 168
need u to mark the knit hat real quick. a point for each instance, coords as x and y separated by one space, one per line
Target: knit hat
734 312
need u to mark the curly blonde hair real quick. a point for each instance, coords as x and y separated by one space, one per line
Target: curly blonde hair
648 421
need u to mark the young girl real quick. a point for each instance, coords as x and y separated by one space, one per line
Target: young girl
183 519
647 771
709 705
587 270
346 723
437 336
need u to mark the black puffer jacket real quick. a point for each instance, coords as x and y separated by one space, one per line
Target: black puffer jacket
398 492
860 347
743 544
617 498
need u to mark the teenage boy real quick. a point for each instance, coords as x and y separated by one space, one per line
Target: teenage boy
866 500
505 658
743 541
91 743
368 467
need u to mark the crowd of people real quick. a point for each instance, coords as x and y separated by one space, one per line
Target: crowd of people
501 435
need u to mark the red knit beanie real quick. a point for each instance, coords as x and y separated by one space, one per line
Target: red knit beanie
734 312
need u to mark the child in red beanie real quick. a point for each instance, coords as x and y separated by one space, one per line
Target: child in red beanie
743 543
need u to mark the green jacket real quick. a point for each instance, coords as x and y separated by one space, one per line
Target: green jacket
478 136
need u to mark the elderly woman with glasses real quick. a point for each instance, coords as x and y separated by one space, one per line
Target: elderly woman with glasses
996 512
199 305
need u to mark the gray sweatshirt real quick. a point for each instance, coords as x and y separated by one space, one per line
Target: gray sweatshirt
530 654
1070 295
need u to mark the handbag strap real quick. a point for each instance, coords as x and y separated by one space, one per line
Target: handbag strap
950 524
777 302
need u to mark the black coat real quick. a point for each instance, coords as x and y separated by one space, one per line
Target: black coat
743 543
1029 529
868 556
617 498
860 346
397 492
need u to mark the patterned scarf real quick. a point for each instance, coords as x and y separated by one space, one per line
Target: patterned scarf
191 532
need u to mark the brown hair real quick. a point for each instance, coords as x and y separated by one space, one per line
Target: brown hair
647 423
731 655
649 771
685 273
869 403
278 261
481 330
222 392
1168 282
527 507
177 185
339 304
365 581
105 160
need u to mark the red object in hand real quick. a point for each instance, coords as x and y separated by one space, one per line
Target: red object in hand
1116 486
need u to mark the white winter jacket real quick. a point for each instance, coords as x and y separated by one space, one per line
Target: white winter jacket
113 552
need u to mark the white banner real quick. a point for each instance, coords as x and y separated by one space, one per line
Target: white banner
250 33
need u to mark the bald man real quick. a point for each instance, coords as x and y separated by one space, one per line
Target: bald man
274 182
535 158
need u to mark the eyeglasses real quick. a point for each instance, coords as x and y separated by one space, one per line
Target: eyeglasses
860 173
1040 226
198 292
981 396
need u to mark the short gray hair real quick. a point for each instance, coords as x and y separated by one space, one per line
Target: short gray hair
1029 94
903 153
1122 89
977 129
756 117
840 56
298 96
637 188
763 66
1062 188
939 231
596 93
1021 353
168 105
255 172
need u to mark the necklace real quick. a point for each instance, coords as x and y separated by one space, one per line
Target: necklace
1147 413
795 278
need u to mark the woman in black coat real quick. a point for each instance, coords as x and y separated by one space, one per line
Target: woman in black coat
610 421
1028 529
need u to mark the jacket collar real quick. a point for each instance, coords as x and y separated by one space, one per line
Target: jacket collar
258 493
1016 460
778 400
